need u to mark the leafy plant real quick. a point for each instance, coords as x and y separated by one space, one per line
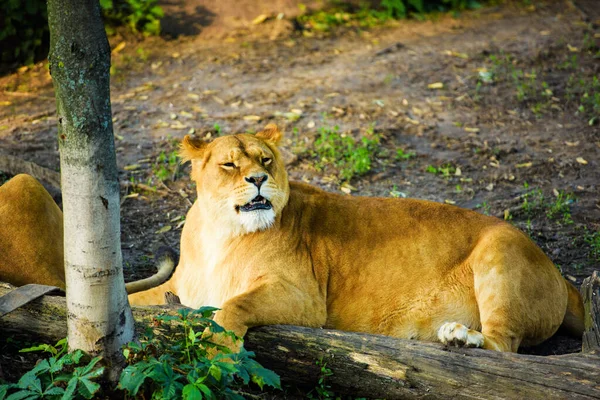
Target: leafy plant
561 207
140 15
340 150
446 170
593 240
486 209
322 390
586 92
364 15
24 33
177 359
172 361
58 377
166 165
403 155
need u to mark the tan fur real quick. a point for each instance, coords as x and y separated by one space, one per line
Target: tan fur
31 232
31 238
398 267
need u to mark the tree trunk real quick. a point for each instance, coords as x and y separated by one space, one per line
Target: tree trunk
590 291
371 366
100 320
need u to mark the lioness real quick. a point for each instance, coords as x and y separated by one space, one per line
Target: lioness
269 251
31 239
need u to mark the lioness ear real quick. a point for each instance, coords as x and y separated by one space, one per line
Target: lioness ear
271 133
191 148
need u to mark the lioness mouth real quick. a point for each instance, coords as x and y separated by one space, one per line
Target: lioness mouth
257 203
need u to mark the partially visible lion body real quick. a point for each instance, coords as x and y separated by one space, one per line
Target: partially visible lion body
31 239
31 234
399 267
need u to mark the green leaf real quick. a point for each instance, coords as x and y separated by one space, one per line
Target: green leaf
106 4
417 4
262 376
206 311
215 372
157 11
132 378
76 356
22 395
27 380
206 390
87 388
42 347
231 395
54 391
85 371
191 392
4 390
192 336
70 391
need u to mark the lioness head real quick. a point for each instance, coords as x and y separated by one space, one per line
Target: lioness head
241 179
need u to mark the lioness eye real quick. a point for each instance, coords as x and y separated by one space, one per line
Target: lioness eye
266 161
228 165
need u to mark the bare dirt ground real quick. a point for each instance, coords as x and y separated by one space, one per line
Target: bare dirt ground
414 84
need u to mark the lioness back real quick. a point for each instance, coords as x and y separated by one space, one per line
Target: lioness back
31 237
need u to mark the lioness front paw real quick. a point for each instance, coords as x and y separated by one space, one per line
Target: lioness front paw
453 333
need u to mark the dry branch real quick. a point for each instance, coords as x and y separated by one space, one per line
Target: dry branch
371 365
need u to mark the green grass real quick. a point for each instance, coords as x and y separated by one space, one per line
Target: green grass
560 208
536 204
530 85
592 239
367 15
166 166
445 170
403 155
351 157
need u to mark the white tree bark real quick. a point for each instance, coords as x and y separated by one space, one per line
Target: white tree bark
99 316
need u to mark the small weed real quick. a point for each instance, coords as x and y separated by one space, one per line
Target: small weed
486 209
571 63
322 390
166 166
403 155
217 129
593 240
351 157
445 170
586 93
395 193
535 203
561 207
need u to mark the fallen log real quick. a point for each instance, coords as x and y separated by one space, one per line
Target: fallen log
370 366
14 165
383 367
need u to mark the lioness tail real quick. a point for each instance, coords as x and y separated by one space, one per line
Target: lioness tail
166 261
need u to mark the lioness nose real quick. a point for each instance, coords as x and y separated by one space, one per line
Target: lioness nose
257 180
